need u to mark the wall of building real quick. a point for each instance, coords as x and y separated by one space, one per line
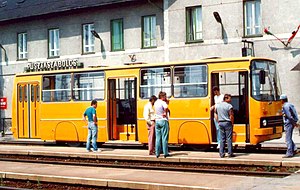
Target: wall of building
281 16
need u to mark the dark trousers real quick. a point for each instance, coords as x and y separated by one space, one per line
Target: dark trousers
289 139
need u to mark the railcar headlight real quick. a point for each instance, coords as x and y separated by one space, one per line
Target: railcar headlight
264 122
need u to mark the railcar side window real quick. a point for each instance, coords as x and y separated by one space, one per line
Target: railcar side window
20 93
190 81
154 80
88 86
56 88
32 94
25 93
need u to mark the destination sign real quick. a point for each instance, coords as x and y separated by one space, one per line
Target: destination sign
53 65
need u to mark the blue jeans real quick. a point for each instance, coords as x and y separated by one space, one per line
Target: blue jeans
288 139
217 130
92 136
162 137
226 135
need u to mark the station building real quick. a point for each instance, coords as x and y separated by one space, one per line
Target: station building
47 33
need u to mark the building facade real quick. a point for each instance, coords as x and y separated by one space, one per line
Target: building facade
104 33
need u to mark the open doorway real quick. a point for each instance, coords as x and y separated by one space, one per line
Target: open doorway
236 84
122 109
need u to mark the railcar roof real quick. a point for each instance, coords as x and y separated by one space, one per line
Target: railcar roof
145 65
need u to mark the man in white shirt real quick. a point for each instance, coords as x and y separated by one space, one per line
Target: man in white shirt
218 98
161 125
149 116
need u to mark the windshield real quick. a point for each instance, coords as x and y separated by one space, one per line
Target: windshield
269 89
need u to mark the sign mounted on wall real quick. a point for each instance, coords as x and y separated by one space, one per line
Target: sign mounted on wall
3 103
53 65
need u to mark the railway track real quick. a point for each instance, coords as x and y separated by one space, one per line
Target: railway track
253 170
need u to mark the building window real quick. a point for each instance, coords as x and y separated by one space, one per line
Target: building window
194 24
149 31
22 46
53 43
252 18
117 35
88 38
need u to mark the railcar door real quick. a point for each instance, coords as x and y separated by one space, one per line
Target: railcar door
236 84
122 112
28 110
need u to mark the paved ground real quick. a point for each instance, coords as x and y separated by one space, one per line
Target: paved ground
137 179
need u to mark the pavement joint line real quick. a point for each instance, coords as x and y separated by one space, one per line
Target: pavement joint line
86 181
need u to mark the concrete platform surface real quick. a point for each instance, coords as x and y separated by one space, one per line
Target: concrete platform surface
138 154
141 179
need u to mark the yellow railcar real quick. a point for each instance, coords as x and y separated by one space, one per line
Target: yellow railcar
48 105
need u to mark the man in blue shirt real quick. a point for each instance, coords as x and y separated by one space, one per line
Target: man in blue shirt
290 118
224 116
92 126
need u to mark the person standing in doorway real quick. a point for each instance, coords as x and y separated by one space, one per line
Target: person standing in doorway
90 113
290 118
149 116
225 118
218 98
161 125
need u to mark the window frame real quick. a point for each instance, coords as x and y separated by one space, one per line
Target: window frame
151 31
121 34
22 54
252 21
189 11
151 85
53 96
90 43
102 88
187 84
55 41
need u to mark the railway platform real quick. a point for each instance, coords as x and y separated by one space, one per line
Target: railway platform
149 179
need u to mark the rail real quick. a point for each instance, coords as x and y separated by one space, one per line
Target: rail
228 169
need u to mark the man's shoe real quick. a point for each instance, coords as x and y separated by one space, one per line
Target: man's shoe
168 155
98 150
231 155
287 156
88 150
157 156
222 156
295 152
